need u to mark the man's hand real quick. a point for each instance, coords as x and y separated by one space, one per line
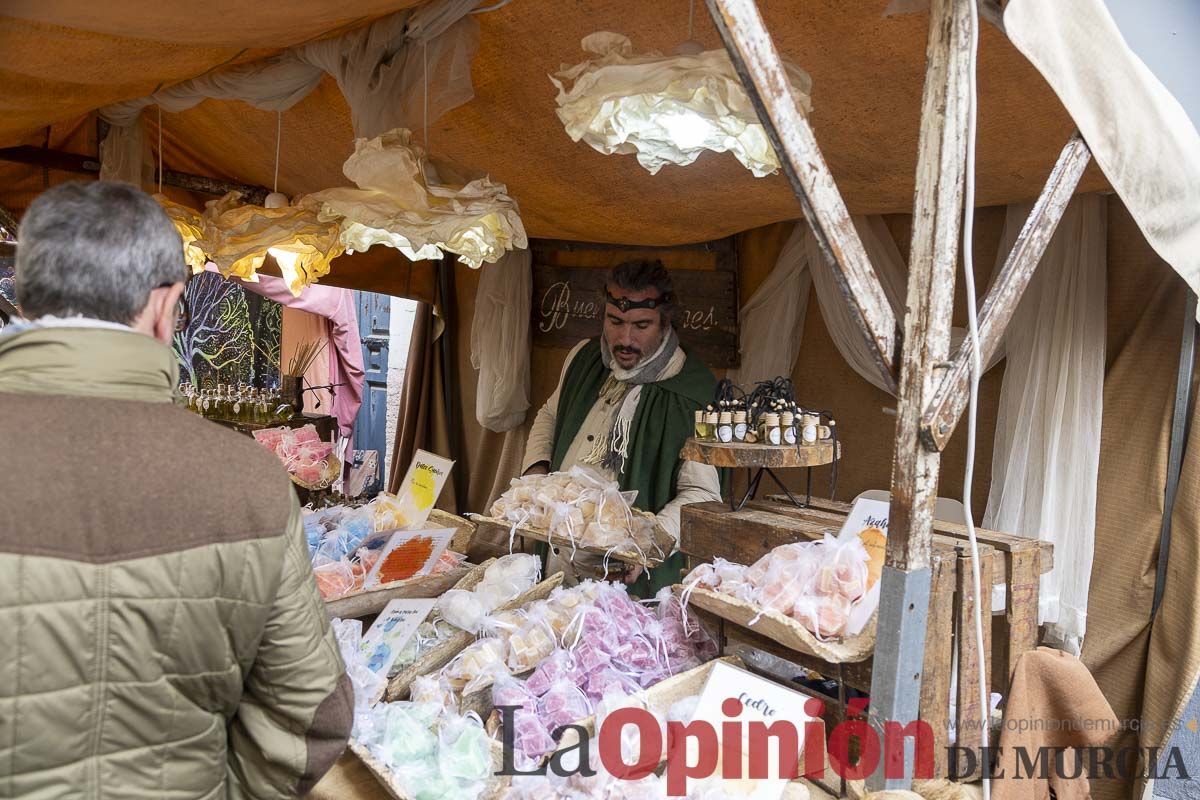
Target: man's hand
540 468
633 573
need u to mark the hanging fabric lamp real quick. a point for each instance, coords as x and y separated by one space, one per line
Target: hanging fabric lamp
665 109
404 201
191 229
239 237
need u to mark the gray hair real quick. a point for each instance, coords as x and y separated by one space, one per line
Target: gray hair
95 249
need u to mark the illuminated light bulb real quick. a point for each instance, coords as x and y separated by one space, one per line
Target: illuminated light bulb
286 259
666 109
688 130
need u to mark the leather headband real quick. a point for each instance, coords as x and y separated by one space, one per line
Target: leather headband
625 304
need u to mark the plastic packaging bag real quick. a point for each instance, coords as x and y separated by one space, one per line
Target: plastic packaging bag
428 689
563 704
461 608
578 505
530 737
478 659
559 664
367 684
334 578
528 646
504 580
464 754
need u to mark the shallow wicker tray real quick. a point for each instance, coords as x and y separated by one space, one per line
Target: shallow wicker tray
445 651
495 788
783 629
371 601
664 540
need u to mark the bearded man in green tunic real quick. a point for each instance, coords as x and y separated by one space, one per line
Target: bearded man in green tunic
624 406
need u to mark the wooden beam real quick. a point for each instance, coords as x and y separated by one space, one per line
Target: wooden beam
51 159
66 162
971 716
87 165
251 194
904 597
937 219
759 66
725 245
942 415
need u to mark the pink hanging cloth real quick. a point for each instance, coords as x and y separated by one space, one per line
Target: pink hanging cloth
345 357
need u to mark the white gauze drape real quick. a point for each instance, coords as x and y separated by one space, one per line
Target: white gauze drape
843 328
1046 454
773 318
500 341
380 69
772 321
1047 451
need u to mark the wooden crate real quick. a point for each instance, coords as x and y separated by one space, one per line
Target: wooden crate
710 530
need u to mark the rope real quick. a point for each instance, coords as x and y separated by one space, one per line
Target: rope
425 79
976 368
278 137
493 7
160 156
691 17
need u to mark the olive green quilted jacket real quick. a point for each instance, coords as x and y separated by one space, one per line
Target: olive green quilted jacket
161 635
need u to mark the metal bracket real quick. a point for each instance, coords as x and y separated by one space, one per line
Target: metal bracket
896 681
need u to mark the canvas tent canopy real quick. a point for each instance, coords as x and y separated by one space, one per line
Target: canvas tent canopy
61 61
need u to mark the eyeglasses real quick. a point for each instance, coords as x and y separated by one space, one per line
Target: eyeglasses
183 314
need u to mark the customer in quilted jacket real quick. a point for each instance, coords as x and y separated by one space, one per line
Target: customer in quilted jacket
161 634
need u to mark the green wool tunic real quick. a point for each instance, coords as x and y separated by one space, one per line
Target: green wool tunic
662 423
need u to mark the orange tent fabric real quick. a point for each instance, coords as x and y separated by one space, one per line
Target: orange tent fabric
60 60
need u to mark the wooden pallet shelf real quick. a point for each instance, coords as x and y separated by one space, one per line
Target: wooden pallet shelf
712 530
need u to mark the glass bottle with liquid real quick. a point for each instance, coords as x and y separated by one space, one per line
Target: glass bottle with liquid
787 427
725 427
739 426
808 428
768 429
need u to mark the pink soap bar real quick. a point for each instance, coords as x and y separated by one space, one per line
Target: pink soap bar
591 658
530 736
307 433
563 705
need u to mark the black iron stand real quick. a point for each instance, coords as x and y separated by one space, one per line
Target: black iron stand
752 489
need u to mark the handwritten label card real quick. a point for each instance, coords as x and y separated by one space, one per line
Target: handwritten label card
762 701
408 554
421 487
389 634
867 514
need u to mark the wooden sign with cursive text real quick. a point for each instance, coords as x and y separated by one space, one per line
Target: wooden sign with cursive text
568 301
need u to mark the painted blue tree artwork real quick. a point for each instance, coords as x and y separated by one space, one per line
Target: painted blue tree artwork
233 336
